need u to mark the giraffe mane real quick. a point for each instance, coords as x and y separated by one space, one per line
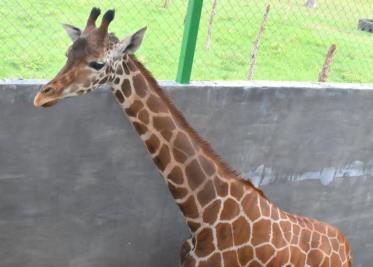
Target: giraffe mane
205 145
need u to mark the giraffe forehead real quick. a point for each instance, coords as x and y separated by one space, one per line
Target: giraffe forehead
87 46
79 48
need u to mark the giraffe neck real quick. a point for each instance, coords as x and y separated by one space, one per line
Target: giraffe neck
187 163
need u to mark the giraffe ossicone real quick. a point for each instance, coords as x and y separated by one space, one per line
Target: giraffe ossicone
232 223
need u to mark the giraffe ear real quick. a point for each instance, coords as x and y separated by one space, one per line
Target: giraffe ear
133 42
73 32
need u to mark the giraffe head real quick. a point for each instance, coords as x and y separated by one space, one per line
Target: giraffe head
91 59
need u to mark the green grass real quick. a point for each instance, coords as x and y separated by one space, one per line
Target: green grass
293 47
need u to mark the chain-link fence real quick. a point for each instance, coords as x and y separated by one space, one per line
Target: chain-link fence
34 43
293 46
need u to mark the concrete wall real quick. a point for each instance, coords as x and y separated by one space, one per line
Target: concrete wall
78 189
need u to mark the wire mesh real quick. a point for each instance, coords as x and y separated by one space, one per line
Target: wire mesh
34 43
293 46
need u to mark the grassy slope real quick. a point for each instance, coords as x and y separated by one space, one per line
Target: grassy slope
293 47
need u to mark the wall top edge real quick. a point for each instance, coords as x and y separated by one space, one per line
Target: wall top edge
9 83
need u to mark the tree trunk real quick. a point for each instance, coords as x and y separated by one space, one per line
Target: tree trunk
211 20
250 74
323 76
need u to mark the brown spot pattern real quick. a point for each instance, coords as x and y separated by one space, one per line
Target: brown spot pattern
275 213
335 260
189 262
179 156
230 259
163 158
119 70
204 243
211 212
131 66
281 259
207 166
176 175
207 194
155 104
319 228
163 123
182 142
212 261
220 187
262 230
126 88
195 176
254 263
125 68
277 240
152 144
230 209
241 231
315 240
140 128
305 240
193 226
119 96
326 247
250 206
166 134
245 254
189 208
264 252
144 116
140 85
264 207
134 108
237 190
314 257
177 192
224 232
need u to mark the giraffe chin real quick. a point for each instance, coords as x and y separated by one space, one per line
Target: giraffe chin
49 104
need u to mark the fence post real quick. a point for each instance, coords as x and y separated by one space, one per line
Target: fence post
188 46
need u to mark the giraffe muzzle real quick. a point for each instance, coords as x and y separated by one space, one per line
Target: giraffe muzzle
41 101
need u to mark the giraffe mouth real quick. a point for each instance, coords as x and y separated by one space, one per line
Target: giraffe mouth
40 101
49 104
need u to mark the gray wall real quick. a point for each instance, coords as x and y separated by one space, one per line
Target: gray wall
78 189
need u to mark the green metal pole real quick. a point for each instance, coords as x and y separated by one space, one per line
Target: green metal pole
189 41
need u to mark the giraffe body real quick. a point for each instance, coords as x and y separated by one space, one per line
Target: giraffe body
231 222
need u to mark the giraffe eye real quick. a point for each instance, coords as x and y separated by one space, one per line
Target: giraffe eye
47 90
96 65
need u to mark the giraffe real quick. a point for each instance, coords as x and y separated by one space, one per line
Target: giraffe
231 222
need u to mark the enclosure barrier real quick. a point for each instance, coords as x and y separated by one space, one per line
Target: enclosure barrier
77 187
